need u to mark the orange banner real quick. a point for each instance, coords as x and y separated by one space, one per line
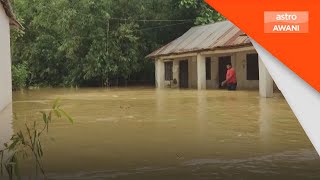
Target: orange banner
289 30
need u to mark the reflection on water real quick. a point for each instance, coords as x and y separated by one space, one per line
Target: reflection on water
170 134
266 112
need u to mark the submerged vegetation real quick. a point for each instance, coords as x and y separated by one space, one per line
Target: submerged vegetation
27 143
97 42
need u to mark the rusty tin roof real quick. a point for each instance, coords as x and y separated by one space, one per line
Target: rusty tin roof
220 35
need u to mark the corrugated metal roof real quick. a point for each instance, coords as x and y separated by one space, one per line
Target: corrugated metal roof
207 37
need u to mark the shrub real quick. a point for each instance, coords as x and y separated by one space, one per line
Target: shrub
19 75
26 142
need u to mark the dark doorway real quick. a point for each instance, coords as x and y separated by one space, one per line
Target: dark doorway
183 74
252 67
223 62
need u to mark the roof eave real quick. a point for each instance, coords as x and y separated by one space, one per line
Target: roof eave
150 56
8 10
15 24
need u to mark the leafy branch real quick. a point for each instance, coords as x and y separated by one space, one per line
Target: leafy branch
205 13
28 143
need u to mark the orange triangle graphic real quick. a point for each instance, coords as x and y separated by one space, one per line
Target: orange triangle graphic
300 52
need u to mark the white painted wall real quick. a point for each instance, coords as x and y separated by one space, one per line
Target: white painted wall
6 129
193 76
5 61
201 71
169 84
159 64
214 82
192 72
238 60
265 82
175 73
239 63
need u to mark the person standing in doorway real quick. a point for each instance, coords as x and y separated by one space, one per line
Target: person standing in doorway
231 79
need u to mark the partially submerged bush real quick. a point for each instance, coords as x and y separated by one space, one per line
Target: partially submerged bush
19 75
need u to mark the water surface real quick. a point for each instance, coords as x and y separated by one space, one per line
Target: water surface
143 133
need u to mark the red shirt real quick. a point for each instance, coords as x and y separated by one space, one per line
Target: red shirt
231 76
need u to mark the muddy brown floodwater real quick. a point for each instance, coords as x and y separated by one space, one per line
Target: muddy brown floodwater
143 133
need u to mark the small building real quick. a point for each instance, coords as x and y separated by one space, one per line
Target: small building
198 60
7 19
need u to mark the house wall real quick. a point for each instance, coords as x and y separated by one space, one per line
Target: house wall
238 60
239 63
192 72
193 76
213 83
6 129
240 66
175 73
5 61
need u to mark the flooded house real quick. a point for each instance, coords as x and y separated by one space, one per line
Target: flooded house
199 57
7 20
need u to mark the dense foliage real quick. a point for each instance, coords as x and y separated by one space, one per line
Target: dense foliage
99 42
19 75
205 14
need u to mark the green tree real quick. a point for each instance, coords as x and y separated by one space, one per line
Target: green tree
205 13
98 42
19 75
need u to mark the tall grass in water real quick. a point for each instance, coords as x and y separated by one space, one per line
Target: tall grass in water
26 143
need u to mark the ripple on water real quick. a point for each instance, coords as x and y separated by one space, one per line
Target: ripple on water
198 124
265 165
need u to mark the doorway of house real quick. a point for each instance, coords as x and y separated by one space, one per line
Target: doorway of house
223 61
183 74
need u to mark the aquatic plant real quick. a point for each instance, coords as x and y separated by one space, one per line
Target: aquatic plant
27 143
